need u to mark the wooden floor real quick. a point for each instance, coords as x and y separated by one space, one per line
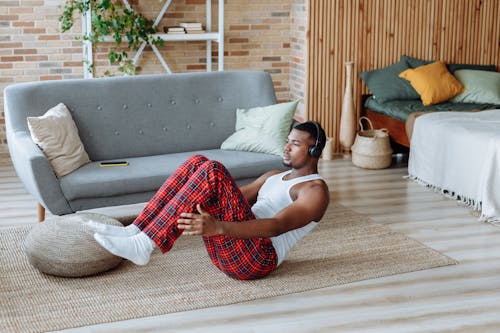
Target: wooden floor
457 298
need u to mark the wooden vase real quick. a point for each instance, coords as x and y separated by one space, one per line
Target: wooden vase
328 149
348 116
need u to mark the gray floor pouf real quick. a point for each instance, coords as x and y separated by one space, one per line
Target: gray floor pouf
65 246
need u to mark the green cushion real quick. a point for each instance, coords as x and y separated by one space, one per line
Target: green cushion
482 86
262 129
455 67
415 62
386 85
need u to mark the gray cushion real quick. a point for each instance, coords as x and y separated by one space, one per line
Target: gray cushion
65 246
146 174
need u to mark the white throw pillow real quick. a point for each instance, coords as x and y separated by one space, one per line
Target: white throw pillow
262 129
57 135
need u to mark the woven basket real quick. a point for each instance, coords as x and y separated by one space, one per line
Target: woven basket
371 148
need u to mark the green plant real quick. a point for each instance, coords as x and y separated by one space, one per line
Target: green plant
110 17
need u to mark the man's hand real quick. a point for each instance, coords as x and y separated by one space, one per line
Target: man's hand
202 224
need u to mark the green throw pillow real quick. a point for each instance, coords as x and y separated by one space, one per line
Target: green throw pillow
386 85
455 67
262 129
415 62
482 87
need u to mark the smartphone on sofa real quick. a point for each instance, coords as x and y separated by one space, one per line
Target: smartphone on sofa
113 163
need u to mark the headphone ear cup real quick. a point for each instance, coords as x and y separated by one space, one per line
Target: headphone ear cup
310 151
314 151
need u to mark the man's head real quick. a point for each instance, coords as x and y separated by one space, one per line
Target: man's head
305 144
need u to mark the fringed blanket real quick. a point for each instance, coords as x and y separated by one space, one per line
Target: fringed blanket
458 154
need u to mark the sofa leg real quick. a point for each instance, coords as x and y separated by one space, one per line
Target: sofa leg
41 213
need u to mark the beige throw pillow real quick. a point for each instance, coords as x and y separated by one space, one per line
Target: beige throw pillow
57 135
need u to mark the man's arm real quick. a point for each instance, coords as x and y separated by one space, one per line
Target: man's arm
251 190
310 205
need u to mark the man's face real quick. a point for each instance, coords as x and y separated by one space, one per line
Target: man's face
295 153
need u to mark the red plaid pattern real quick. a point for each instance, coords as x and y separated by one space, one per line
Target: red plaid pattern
199 180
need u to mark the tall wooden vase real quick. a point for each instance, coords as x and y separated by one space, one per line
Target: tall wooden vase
348 116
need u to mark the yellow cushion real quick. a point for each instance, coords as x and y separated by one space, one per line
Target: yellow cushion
433 82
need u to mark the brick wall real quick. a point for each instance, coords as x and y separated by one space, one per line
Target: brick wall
257 36
298 54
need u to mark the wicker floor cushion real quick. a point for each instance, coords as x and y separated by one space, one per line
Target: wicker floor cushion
65 246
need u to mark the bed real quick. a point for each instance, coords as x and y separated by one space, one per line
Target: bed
458 154
412 86
449 115
398 115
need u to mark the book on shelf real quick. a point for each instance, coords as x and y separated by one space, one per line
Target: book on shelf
174 30
195 31
191 25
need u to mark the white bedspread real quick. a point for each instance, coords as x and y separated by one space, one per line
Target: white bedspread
458 153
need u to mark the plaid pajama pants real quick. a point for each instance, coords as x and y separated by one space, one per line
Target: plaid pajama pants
199 180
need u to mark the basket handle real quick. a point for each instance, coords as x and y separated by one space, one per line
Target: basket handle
361 123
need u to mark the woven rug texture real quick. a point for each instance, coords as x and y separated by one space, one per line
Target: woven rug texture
345 247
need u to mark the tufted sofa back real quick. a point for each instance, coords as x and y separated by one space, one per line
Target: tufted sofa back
145 115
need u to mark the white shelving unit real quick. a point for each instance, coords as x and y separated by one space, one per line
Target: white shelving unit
208 36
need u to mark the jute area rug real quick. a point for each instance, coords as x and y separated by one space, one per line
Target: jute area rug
344 247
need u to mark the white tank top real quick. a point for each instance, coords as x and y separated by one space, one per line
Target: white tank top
274 196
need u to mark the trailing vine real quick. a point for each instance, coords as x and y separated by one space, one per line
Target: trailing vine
111 18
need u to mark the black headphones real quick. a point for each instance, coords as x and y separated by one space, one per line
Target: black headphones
315 150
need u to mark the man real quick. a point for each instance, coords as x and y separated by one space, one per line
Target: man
247 231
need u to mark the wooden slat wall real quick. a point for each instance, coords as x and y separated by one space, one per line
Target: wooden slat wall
375 33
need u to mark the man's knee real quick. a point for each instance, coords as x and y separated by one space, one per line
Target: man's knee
195 159
213 165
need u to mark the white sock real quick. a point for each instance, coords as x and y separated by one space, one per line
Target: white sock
113 230
136 248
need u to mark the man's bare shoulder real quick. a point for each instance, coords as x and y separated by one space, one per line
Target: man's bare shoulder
318 186
311 190
310 201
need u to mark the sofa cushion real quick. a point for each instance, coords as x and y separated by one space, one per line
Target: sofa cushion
146 174
57 135
262 129
65 246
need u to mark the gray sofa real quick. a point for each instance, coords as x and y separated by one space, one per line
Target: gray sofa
154 122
